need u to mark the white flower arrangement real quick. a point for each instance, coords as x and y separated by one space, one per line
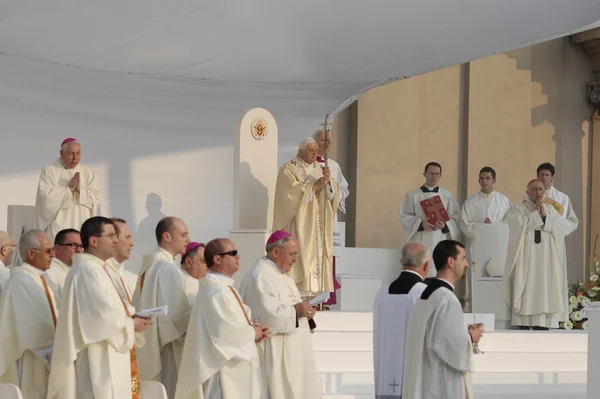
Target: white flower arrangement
568 325
585 325
591 293
575 316
586 301
594 277
580 298
573 300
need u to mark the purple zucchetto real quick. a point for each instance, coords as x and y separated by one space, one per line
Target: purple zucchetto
278 235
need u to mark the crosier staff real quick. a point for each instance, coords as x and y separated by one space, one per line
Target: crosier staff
325 196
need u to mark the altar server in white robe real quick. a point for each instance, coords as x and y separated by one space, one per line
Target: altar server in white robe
275 302
194 268
66 244
122 277
323 139
534 279
562 203
221 360
164 284
94 354
7 248
67 193
393 306
439 349
486 207
412 217
28 315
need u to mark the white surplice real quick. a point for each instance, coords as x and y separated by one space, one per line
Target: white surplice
164 285
57 207
26 332
4 276
220 358
272 295
94 336
534 279
56 276
475 210
438 356
412 216
391 313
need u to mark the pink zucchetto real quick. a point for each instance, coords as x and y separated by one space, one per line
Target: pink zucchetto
190 247
69 140
278 235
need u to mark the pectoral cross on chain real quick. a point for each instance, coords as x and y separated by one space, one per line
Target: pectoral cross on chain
394 385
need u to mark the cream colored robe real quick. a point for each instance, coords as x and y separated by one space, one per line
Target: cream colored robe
4 276
26 332
299 210
534 278
411 216
159 359
220 360
94 336
56 276
156 255
289 360
57 207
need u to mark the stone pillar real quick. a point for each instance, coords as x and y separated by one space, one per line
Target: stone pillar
590 43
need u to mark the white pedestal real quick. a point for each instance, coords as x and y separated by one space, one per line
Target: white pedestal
358 292
251 246
593 355
487 298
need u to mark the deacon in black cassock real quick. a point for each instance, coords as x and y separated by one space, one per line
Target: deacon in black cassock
392 309
439 350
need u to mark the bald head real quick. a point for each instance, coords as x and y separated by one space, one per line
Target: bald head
172 235
7 247
415 256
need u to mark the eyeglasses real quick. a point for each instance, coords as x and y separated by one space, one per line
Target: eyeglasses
73 245
230 253
47 251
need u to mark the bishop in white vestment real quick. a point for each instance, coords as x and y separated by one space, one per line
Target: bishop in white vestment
482 216
275 302
439 350
193 266
67 193
164 285
412 217
28 316
393 306
220 358
306 200
95 356
7 247
66 244
534 282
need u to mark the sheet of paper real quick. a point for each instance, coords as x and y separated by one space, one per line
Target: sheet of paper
323 297
154 312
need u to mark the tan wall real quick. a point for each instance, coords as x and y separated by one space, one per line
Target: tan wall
511 111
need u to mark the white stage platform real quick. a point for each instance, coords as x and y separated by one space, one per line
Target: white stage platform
515 365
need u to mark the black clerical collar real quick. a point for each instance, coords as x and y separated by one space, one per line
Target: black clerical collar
426 189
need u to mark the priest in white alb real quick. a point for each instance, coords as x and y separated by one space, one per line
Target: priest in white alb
438 359
481 222
393 306
94 351
7 248
66 244
220 358
164 284
193 266
534 279
306 200
28 315
413 219
275 302
562 203
123 278
67 193
323 139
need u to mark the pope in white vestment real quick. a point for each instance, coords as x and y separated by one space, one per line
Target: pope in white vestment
393 306
306 201
61 204
272 296
412 217
27 320
535 287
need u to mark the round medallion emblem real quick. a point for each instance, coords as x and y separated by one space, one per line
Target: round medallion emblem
259 129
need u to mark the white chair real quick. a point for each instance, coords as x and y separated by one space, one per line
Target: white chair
148 390
10 391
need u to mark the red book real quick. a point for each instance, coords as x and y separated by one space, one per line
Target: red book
434 210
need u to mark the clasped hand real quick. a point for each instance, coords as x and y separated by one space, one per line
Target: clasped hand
141 323
260 332
430 227
303 309
476 332
539 205
74 182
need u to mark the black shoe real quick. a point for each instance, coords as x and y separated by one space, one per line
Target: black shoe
523 328
538 328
